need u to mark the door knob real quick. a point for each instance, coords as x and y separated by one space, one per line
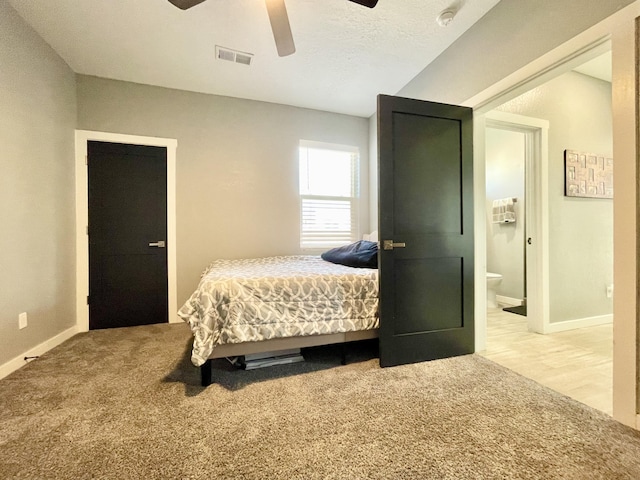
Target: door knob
390 245
159 244
529 240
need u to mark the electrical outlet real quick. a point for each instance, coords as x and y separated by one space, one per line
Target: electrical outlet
610 291
22 320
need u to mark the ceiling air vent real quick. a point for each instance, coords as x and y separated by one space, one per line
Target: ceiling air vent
243 58
223 53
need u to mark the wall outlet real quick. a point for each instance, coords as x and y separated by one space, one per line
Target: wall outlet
610 291
22 320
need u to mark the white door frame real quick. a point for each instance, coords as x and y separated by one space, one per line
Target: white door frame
620 29
82 217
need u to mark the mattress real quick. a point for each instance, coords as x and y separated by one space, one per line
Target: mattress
261 299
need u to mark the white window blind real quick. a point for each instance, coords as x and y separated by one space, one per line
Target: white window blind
329 189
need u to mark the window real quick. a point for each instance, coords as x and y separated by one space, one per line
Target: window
328 194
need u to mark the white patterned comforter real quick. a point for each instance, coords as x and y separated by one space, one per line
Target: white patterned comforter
260 299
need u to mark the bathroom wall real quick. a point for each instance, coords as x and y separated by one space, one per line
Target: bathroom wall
505 176
578 108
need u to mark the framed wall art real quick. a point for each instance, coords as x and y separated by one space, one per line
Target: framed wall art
587 175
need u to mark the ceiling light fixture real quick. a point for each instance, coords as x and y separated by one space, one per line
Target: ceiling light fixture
446 16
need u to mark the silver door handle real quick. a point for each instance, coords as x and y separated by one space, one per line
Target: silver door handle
159 244
390 245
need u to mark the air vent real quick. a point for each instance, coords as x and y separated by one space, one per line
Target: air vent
223 53
226 55
243 58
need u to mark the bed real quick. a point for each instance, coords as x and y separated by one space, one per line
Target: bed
250 306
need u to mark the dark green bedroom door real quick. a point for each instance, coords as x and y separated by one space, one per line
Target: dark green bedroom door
128 281
426 230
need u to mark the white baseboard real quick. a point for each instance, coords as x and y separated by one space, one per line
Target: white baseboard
510 301
578 323
19 361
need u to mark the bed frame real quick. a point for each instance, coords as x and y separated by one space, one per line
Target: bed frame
247 348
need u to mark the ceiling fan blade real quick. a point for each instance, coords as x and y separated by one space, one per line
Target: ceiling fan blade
185 4
280 26
366 3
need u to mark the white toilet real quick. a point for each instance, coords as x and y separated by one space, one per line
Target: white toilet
493 280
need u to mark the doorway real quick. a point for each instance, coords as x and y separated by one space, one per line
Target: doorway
83 137
579 243
519 172
506 219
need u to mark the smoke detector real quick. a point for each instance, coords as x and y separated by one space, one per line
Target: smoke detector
446 16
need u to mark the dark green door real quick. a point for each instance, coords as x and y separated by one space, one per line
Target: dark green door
426 230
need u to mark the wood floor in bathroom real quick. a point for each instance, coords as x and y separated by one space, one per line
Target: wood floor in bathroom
576 363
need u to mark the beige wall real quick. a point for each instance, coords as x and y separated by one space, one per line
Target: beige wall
237 171
578 109
37 253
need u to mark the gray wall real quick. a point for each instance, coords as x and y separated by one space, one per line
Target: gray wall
579 112
505 151
37 203
507 38
237 165
229 152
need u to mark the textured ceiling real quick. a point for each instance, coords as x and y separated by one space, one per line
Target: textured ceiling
346 54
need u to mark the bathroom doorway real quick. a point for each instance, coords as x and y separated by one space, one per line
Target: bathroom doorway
516 158
506 218
573 236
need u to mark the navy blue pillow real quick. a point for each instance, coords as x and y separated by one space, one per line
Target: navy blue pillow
361 254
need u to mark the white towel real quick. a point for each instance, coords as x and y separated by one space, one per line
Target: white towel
504 210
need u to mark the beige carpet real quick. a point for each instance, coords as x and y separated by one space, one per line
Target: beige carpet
125 404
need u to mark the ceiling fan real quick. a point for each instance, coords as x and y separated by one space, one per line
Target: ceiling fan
278 18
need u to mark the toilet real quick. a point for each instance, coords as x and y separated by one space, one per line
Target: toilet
493 280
